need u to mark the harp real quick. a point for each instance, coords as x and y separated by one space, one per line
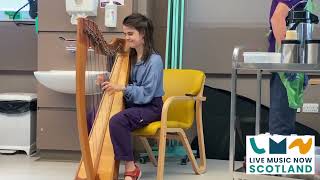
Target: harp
95 58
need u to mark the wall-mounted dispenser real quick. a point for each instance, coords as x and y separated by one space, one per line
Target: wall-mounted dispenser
81 8
111 14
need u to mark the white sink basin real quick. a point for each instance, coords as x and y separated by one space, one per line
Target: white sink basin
65 81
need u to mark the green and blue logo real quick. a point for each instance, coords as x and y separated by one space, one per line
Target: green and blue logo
280 154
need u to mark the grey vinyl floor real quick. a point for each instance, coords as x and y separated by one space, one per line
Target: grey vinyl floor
51 167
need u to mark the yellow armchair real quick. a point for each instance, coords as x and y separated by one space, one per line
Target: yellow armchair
182 104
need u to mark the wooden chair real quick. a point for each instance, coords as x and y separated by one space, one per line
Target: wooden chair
182 104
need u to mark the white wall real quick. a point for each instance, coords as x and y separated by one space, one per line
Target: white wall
228 12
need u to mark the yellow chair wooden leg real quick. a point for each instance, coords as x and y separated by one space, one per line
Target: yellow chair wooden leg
185 142
161 154
202 151
148 148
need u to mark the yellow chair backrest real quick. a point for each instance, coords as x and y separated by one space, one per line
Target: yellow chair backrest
179 82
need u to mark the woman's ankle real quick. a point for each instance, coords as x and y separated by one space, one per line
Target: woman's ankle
129 166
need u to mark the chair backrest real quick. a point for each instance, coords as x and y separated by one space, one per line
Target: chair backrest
179 82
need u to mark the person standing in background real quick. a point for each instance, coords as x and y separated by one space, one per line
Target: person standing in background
282 118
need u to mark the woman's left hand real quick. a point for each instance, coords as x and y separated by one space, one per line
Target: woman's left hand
278 22
111 87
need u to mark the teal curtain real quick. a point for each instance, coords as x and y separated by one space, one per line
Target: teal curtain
175 32
174 52
37 25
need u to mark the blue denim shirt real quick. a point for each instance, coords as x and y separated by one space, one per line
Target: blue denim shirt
146 81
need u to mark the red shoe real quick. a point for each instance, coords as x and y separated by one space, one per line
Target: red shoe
135 174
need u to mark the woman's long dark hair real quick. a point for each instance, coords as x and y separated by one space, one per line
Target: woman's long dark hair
144 26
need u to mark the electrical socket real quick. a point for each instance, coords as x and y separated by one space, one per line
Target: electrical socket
298 110
310 107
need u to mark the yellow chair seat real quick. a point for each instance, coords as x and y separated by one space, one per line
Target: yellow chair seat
152 128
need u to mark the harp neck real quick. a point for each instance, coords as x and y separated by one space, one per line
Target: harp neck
96 38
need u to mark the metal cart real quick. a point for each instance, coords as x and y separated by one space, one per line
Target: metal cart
237 65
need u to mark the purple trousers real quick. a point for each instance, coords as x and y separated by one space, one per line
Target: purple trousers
133 117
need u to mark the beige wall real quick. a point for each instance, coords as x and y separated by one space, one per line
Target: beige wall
17 81
158 13
18 58
211 34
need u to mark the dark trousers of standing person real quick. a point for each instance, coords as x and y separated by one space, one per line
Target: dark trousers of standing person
282 118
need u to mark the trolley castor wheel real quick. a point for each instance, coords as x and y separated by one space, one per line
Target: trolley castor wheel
184 161
143 160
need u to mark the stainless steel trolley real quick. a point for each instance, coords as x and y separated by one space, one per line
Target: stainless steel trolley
237 65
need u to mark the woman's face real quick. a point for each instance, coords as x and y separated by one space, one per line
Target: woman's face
133 37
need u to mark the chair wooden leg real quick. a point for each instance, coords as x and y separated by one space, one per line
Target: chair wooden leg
197 169
161 154
116 170
202 151
148 148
